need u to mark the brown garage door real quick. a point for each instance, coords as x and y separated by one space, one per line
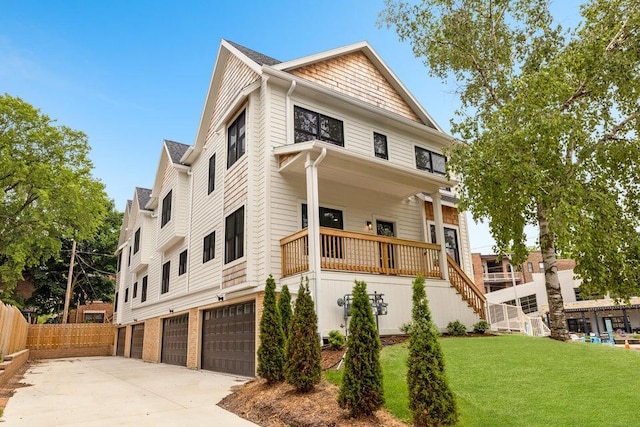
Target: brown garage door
228 339
137 338
175 335
122 332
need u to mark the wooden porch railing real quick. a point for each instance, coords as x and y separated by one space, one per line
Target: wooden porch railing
360 252
466 288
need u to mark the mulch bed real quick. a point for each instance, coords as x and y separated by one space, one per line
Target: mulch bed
280 405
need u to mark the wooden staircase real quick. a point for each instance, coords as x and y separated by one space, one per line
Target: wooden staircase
466 288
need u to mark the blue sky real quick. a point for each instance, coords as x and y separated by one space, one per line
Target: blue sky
132 73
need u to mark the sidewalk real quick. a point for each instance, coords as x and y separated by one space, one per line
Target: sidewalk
114 391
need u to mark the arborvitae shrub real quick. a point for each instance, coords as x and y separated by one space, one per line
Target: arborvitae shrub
271 350
302 369
284 307
430 399
361 391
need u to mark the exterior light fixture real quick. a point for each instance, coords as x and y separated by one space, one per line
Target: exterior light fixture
369 225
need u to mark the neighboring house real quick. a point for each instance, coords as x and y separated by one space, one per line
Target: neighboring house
92 312
585 313
335 134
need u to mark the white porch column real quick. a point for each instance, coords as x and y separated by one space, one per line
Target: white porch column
313 228
439 224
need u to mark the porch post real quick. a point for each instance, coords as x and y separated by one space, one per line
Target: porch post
313 228
439 224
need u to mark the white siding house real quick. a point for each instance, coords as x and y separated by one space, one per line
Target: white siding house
323 167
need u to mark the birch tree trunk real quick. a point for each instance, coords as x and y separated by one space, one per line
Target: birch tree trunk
552 283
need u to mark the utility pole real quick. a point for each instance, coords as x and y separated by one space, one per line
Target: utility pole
67 297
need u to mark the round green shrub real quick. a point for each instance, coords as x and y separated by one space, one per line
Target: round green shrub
337 341
481 327
456 329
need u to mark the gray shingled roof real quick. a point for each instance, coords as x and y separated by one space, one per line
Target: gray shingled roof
144 194
176 150
257 57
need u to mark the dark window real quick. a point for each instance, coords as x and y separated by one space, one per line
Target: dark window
235 140
430 161
331 218
580 296
126 295
234 236
166 209
129 260
182 266
135 290
529 303
212 174
578 325
166 269
208 251
143 294
530 267
380 146
136 241
309 125
115 304
93 317
119 261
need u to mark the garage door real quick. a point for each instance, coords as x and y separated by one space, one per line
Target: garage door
122 332
137 338
175 335
228 339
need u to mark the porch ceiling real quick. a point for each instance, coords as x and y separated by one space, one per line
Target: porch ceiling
344 167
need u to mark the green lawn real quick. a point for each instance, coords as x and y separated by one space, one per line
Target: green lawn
521 381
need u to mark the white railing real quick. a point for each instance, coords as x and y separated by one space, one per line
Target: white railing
500 277
503 317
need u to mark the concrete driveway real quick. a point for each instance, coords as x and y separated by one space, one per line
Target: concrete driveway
114 391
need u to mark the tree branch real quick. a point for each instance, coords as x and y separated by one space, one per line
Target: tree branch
617 128
579 93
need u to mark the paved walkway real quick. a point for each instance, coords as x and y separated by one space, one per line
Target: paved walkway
114 391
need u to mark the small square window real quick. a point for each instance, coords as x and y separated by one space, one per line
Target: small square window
380 146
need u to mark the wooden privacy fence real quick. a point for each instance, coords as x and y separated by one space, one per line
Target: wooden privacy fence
71 340
13 330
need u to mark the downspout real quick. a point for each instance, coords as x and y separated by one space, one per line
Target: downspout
314 228
190 175
288 107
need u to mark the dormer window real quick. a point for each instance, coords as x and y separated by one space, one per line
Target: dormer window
309 125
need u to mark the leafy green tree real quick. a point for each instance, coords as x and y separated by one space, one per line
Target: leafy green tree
284 307
551 123
431 401
361 391
271 350
47 193
302 369
94 270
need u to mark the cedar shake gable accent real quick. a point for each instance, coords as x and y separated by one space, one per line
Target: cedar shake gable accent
144 194
176 150
355 75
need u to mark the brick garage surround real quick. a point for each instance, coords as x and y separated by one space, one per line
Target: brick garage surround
193 343
152 340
